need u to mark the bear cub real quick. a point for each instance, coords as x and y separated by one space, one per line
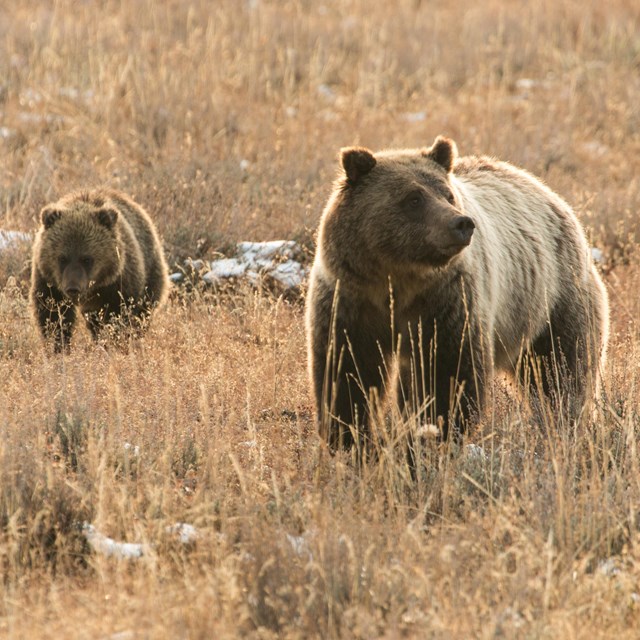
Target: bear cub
98 254
434 271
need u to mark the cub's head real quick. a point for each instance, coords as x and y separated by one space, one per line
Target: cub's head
396 210
79 245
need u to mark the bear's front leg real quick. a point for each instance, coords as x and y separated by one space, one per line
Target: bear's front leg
349 345
442 373
54 313
114 314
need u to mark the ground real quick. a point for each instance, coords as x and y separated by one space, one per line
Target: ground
225 123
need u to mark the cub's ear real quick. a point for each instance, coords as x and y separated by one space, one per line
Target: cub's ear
356 162
49 215
444 152
107 217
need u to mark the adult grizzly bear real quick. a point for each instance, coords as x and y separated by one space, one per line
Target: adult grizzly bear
97 253
457 266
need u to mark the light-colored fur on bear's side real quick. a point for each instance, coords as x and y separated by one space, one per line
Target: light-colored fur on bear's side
525 283
505 205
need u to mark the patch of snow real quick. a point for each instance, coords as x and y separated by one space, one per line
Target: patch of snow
299 545
608 567
6 133
291 274
177 277
526 83
225 268
262 251
109 548
75 94
476 452
10 239
595 148
291 112
512 618
244 165
597 255
186 533
132 449
41 118
30 97
274 259
326 92
196 265
416 116
122 635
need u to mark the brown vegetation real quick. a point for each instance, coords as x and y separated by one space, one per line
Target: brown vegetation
224 121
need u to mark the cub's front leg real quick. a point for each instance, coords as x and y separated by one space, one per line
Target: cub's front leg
54 314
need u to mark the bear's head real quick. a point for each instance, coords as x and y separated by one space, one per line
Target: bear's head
79 246
395 211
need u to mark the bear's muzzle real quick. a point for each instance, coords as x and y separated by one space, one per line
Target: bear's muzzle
461 229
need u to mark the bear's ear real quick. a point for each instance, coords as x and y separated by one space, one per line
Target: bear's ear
49 215
356 162
107 217
444 152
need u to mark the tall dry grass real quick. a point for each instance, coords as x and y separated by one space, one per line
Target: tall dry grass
534 536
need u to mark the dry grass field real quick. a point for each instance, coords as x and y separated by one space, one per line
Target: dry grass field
224 119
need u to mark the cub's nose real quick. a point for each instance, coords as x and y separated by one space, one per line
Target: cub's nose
462 229
72 292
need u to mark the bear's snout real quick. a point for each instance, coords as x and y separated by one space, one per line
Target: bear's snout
461 228
74 281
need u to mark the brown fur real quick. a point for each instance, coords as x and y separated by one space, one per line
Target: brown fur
96 253
394 281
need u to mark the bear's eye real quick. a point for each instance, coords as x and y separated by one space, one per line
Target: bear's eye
451 199
414 200
86 262
63 261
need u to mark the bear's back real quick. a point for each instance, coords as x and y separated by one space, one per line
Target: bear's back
528 247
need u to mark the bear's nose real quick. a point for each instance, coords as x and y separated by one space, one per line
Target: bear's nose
462 228
73 291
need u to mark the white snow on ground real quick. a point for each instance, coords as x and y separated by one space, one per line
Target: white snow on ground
476 452
132 449
299 545
291 274
597 255
186 533
415 116
225 268
110 548
10 239
609 567
275 259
